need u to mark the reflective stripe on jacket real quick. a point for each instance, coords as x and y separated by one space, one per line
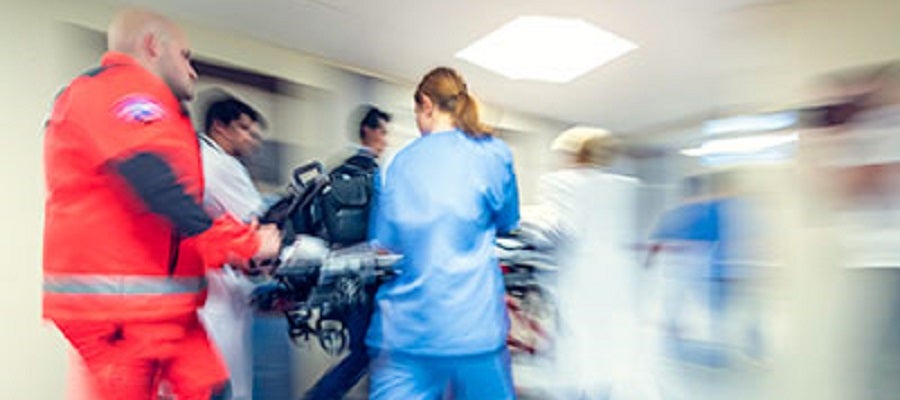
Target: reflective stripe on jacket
106 254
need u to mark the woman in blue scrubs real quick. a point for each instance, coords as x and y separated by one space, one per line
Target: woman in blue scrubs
441 325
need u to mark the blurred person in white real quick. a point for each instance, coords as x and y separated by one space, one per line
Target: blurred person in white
595 210
232 131
864 161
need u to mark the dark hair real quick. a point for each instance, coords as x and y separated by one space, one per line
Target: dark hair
372 119
447 90
227 110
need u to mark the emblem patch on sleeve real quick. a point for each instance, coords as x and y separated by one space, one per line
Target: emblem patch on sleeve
138 108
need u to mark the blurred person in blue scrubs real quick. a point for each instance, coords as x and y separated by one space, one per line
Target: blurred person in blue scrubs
441 325
715 270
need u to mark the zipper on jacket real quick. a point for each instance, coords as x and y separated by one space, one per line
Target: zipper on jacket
173 252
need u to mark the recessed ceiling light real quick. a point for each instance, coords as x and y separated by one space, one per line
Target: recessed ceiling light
750 123
545 49
741 145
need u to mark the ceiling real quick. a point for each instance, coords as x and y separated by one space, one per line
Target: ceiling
696 59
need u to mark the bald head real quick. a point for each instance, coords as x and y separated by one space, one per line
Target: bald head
130 27
157 44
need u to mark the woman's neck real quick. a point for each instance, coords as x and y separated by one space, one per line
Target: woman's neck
442 122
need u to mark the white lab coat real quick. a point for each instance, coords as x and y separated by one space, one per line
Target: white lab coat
227 314
598 338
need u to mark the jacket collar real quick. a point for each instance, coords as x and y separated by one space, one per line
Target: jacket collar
117 59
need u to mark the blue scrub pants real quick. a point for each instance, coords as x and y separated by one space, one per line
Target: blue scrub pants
396 376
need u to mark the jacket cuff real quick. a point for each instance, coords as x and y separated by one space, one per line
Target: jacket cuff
227 241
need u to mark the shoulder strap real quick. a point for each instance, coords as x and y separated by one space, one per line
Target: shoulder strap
363 161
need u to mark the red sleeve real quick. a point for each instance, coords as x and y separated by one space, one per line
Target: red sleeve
226 241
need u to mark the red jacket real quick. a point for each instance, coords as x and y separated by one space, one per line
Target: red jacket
106 255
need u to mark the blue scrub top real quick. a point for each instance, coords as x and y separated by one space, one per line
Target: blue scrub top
697 221
443 199
725 222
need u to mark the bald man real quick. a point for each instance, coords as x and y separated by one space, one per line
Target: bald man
156 44
126 240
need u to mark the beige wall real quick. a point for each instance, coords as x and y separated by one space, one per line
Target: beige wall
33 361
32 354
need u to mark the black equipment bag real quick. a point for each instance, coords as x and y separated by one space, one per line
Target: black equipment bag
293 213
345 204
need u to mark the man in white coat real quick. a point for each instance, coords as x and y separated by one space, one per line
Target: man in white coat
231 131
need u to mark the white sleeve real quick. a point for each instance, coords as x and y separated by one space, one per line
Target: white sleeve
228 188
